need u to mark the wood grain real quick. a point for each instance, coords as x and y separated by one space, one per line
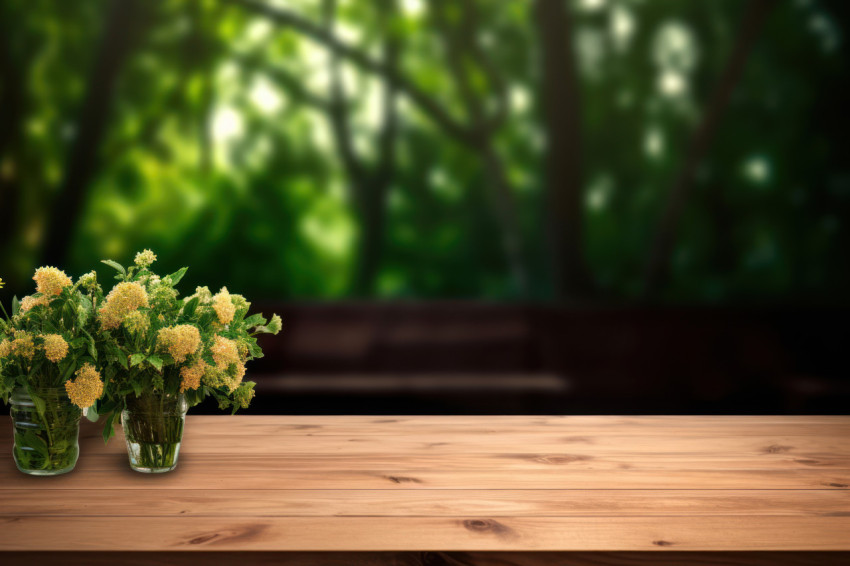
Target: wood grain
667 558
134 533
657 485
428 503
252 474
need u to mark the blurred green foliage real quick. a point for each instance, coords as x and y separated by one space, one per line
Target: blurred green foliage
213 155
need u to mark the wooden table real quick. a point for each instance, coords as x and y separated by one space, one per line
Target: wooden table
449 490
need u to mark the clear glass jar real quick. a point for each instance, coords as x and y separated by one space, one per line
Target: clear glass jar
153 429
46 442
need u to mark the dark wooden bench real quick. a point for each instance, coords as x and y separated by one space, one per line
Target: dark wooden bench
467 357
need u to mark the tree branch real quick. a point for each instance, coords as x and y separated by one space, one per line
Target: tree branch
464 46
293 85
475 136
389 121
658 265
461 42
458 44
121 23
470 25
404 85
338 109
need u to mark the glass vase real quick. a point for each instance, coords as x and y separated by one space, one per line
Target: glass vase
46 441
153 429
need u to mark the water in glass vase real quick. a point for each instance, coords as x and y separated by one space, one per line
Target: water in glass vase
46 430
153 429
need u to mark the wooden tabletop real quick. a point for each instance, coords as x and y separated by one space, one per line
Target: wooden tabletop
342 483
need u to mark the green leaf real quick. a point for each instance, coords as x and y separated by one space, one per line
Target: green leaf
70 370
136 359
91 414
194 396
91 347
31 440
16 306
206 319
190 306
155 361
108 427
106 406
68 314
85 312
115 265
117 354
177 276
39 403
255 320
273 326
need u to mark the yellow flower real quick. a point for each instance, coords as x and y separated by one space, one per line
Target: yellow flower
1 283
145 258
214 377
29 302
191 375
50 281
86 388
240 302
55 348
238 376
180 341
121 301
88 280
5 349
23 344
204 295
243 349
225 353
223 306
162 295
137 323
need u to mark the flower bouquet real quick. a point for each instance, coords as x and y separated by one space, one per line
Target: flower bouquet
48 369
168 354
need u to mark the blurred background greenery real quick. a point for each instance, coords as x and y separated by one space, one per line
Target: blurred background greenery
607 151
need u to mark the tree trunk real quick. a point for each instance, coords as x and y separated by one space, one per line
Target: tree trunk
12 111
371 243
368 183
504 205
81 163
658 266
563 161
